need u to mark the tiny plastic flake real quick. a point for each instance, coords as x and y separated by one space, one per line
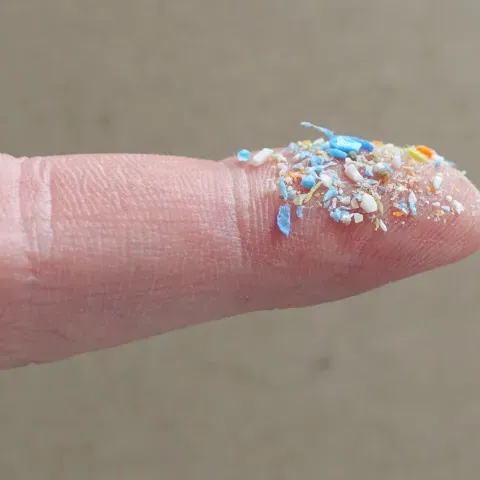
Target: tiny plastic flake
283 219
243 155
261 157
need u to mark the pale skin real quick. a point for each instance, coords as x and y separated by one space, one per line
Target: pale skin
101 250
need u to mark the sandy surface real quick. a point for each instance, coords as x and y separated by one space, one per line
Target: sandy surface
384 386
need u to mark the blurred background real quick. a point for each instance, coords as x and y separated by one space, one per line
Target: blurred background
384 386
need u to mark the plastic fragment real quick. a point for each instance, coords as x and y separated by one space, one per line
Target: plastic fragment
299 211
412 203
368 203
368 172
331 192
427 151
345 144
336 153
283 219
283 188
312 191
458 207
308 181
324 130
326 180
352 173
382 167
366 145
357 217
437 181
397 161
416 155
261 157
243 155
382 225
340 215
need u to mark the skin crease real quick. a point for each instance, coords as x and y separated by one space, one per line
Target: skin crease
101 250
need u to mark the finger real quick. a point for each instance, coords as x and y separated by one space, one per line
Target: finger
96 251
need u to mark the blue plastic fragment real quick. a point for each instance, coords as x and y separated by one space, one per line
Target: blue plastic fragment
318 168
297 166
300 211
345 144
368 172
283 219
339 214
283 188
324 130
336 153
446 208
306 124
388 168
336 214
308 181
366 145
323 146
403 205
331 192
243 155
438 163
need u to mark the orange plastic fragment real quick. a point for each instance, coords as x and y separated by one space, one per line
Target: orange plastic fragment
377 143
398 214
427 151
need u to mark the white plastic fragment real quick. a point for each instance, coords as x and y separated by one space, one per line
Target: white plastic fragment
458 207
261 157
449 198
357 217
382 225
368 203
326 180
347 218
397 161
437 181
380 167
354 203
352 173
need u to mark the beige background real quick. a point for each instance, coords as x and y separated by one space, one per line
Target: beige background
384 386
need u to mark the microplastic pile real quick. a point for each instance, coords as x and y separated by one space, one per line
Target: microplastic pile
352 178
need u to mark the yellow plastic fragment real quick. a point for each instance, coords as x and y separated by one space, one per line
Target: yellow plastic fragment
380 206
416 155
311 192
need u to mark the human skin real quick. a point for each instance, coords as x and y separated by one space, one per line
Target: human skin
102 250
